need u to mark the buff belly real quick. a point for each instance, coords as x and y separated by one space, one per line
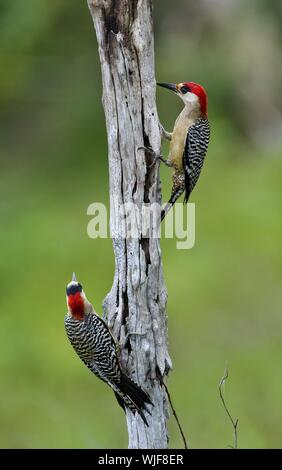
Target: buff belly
178 140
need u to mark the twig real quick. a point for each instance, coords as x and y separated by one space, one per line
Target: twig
234 422
175 415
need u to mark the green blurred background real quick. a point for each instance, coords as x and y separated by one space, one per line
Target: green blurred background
224 294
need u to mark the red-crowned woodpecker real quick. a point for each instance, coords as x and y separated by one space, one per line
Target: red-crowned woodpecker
93 342
188 140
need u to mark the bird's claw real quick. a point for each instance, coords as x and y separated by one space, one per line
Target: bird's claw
148 150
151 152
156 158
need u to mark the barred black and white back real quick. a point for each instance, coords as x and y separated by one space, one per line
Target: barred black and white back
96 347
196 147
195 150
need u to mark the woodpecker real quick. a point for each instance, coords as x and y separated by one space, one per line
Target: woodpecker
93 342
188 140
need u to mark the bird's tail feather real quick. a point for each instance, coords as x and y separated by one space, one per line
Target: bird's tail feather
132 396
173 198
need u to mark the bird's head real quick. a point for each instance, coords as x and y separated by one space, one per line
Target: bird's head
190 93
78 305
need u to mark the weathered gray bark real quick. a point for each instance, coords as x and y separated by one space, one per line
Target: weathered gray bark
135 306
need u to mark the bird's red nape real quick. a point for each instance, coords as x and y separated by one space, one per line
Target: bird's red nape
201 93
76 305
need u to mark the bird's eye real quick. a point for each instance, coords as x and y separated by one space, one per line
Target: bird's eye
184 89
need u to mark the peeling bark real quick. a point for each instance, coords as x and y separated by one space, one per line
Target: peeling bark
135 308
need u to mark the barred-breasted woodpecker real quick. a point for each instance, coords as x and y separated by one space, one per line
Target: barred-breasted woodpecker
188 140
93 342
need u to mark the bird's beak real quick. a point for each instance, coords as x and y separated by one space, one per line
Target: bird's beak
170 86
74 277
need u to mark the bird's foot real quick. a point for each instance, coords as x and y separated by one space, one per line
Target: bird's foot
156 158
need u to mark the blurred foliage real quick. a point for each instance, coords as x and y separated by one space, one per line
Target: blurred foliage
224 294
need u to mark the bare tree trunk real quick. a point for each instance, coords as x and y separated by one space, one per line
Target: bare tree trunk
135 306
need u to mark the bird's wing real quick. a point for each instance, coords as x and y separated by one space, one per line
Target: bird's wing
195 150
106 360
113 341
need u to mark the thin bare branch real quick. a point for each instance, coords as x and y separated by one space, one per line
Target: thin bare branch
233 421
175 415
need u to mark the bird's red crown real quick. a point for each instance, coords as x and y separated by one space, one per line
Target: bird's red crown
199 91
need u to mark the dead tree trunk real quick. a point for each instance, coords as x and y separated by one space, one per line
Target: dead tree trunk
135 308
